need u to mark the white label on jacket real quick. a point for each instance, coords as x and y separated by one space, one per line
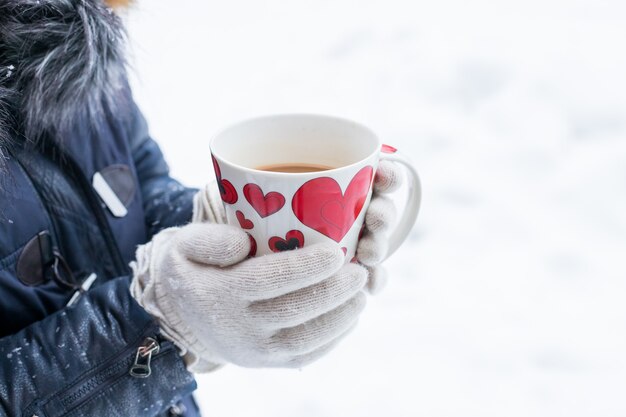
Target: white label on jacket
108 196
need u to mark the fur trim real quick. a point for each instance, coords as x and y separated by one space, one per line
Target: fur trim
60 60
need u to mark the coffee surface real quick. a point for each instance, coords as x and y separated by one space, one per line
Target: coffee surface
295 168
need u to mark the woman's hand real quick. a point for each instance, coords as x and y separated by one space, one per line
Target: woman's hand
281 310
380 216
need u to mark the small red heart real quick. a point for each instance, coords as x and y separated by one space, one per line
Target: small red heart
294 239
216 167
388 149
227 190
345 251
320 204
243 222
264 204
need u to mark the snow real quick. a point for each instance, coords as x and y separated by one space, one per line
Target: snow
508 298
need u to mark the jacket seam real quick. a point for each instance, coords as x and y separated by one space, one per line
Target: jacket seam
3 262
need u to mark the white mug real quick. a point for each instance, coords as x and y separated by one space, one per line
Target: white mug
284 211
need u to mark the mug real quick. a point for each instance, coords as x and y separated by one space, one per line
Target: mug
284 211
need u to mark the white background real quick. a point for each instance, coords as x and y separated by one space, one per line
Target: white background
508 298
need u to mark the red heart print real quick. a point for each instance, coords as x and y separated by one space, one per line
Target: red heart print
216 166
293 240
320 204
388 149
264 204
227 190
345 251
252 246
245 224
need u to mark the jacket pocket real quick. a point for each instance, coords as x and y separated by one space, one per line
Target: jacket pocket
75 399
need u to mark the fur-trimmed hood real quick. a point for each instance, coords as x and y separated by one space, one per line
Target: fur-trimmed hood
60 60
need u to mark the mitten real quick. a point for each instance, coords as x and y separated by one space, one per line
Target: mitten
281 310
380 216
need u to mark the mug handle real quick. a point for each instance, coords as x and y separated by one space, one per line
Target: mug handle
409 215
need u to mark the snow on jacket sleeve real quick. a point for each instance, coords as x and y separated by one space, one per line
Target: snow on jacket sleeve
167 203
77 361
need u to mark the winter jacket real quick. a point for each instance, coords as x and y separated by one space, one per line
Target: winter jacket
67 119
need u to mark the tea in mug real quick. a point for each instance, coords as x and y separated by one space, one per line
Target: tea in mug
294 168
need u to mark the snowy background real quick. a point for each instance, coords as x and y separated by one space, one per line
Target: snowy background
509 297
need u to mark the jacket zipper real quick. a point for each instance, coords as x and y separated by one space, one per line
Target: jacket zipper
123 365
141 367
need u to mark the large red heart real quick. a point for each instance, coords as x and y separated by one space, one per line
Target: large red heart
293 240
265 205
320 204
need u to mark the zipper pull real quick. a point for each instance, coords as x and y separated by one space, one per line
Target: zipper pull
141 366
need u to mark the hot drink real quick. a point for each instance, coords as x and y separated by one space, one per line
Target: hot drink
294 168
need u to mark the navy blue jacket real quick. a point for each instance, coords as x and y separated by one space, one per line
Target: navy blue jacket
76 361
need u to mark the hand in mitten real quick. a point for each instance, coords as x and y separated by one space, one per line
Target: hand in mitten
380 216
208 206
281 310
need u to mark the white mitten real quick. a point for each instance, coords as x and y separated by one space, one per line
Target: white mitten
380 215
208 205
280 310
